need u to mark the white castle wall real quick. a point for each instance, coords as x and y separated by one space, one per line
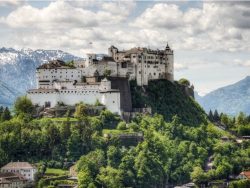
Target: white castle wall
73 94
111 101
71 97
40 98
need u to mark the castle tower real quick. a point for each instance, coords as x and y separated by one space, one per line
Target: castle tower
169 67
112 51
90 58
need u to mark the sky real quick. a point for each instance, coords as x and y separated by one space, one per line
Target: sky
210 39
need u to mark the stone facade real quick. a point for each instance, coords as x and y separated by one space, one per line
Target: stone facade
143 64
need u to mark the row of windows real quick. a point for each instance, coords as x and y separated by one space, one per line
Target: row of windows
60 76
65 92
150 73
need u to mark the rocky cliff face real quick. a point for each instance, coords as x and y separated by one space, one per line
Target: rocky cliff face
17 69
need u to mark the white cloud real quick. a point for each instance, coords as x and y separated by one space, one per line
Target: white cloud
160 15
62 14
74 24
214 26
11 3
180 67
242 63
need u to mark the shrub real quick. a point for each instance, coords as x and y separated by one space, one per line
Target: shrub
121 125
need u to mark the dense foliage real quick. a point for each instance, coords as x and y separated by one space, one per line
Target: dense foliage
239 125
4 114
171 153
51 139
168 99
173 150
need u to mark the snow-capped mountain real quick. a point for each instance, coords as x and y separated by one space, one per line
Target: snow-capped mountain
18 67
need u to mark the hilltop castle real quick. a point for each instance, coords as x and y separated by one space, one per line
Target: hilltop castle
86 81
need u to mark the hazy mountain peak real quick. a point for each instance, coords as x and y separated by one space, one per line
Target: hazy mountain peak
230 99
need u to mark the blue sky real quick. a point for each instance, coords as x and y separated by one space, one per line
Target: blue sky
210 39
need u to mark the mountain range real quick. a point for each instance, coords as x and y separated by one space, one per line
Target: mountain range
18 67
231 99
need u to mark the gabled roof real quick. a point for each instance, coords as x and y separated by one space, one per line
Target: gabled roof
133 51
17 165
246 173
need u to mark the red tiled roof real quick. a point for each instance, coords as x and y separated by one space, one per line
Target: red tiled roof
246 173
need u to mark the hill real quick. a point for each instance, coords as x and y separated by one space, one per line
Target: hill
168 99
18 67
231 99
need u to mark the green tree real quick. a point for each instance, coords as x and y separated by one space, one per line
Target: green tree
121 125
3 157
6 114
216 116
198 176
184 81
110 177
225 119
113 156
85 178
93 161
1 112
81 111
23 105
210 116
241 119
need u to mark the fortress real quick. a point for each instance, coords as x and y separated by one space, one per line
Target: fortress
85 81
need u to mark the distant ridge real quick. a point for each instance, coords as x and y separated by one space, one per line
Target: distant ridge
7 94
231 99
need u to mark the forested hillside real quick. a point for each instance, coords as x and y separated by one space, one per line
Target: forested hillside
168 99
170 152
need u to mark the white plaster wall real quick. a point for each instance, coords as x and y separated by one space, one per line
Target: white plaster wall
28 173
41 98
70 97
58 74
112 101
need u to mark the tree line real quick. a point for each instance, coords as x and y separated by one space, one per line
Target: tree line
239 124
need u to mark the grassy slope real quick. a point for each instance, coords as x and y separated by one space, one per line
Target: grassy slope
56 171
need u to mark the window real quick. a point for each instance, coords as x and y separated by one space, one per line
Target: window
124 64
